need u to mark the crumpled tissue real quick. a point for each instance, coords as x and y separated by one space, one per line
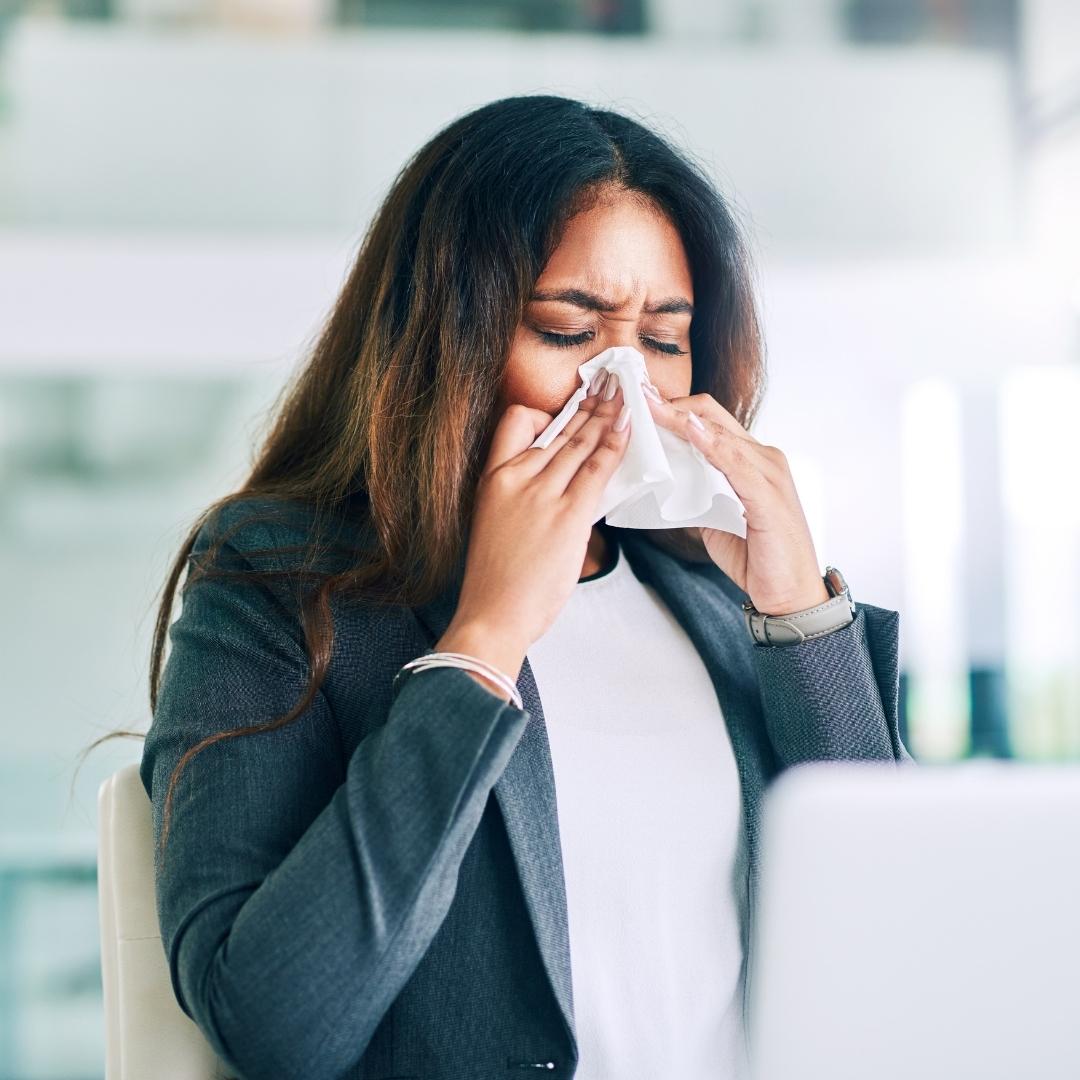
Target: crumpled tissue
662 481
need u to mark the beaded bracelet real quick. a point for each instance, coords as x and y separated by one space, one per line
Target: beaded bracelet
466 663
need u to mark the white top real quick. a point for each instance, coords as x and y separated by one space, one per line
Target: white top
650 815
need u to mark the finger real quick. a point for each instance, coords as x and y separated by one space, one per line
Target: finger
587 485
518 426
728 446
708 409
729 551
564 463
743 462
535 458
740 457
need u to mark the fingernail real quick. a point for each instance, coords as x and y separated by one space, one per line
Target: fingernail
597 384
695 421
624 418
611 388
650 391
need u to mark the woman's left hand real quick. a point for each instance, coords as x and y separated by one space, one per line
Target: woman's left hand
775 565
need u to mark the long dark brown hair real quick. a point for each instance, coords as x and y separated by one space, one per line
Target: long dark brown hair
390 416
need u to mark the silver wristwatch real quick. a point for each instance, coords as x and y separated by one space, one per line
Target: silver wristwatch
799 626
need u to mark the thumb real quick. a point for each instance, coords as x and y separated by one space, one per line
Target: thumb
728 551
516 431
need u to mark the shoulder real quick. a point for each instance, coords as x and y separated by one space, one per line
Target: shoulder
270 533
246 523
269 555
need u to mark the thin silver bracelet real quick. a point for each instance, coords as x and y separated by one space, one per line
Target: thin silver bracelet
466 663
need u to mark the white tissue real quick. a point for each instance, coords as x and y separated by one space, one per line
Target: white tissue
662 481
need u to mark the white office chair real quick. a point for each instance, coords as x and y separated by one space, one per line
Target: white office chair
147 1034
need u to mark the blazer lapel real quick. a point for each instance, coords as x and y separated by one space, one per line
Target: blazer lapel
526 796
526 789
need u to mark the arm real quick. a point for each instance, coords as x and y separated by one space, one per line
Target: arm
299 890
835 696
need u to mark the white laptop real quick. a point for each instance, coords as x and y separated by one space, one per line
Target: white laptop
919 923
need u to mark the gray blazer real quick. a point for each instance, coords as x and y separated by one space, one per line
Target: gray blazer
375 890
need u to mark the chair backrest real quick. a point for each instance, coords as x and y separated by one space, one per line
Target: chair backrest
146 1031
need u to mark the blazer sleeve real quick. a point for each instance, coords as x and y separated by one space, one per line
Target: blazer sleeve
299 890
835 697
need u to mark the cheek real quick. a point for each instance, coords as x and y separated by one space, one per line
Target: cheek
673 377
538 377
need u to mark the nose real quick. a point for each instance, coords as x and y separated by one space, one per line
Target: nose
622 332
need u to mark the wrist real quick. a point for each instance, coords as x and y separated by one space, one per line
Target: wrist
805 602
485 644
828 615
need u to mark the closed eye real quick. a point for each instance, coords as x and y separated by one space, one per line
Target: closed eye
569 341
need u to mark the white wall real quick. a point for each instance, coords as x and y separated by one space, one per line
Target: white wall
1051 82
827 150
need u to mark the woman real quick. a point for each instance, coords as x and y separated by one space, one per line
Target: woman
362 867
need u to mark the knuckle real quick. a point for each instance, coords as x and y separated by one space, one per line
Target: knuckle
500 478
776 458
516 409
715 435
738 452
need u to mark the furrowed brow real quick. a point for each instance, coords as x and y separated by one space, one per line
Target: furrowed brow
673 305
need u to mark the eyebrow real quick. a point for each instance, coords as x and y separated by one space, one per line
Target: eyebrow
673 305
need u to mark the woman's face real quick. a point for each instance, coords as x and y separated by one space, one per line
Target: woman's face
620 276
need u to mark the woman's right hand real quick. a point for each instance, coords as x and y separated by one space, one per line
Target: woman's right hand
531 524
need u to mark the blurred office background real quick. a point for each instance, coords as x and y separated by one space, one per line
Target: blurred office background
183 182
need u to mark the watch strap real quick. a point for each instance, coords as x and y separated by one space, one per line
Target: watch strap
797 626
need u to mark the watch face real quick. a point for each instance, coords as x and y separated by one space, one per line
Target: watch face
834 581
